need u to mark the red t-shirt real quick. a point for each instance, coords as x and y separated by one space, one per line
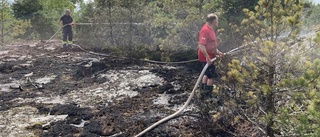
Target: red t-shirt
207 37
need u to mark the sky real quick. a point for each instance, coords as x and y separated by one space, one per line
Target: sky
316 1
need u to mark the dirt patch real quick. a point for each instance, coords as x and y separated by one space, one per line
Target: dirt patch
57 92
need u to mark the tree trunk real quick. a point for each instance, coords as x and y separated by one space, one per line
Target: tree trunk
270 110
130 27
2 20
110 21
270 95
270 102
200 7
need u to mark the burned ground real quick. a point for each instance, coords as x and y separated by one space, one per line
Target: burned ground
49 91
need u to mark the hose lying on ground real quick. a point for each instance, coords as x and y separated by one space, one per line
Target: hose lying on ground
182 108
187 102
145 60
56 33
191 95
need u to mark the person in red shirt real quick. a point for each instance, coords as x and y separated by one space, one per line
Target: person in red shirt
207 50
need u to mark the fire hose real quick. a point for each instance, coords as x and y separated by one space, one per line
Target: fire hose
189 99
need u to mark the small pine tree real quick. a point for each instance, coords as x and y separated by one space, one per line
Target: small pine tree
272 79
10 27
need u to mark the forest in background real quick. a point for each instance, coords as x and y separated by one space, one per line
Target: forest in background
276 80
135 25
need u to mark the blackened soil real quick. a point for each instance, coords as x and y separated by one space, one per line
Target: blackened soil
75 70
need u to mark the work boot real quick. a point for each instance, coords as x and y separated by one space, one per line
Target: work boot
202 95
202 91
203 86
206 95
210 97
209 90
65 45
69 44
